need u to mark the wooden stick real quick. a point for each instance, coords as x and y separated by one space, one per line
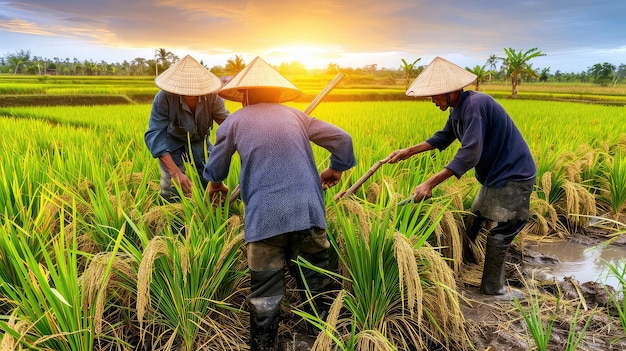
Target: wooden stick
333 83
362 180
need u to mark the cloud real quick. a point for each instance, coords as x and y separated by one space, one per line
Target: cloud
341 29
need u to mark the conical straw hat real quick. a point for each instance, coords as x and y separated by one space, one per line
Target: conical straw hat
440 77
258 74
188 77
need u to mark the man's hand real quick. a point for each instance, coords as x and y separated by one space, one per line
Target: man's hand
329 178
422 192
217 192
183 181
400 155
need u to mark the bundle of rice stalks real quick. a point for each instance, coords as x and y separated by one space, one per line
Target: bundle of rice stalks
159 218
398 291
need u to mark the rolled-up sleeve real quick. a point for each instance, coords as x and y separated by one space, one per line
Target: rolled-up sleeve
156 135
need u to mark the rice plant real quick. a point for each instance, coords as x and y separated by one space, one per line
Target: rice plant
618 300
614 196
397 290
533 316
46 307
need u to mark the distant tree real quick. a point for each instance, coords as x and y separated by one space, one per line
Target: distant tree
234 66
491 62
517 63
293 67
481 74
409 71
543 77
332 68
601 73
620 74
218 71
557 75
163 57
18 59
140 65
76 65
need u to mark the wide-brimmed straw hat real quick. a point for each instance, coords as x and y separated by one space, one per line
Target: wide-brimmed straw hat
258 74
188 77
440 77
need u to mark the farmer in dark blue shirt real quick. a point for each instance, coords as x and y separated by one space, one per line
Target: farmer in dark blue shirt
182 116
281 188
493 146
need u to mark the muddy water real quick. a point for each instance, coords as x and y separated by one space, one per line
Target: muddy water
582 262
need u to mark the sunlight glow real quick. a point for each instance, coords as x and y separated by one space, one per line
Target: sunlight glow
309 56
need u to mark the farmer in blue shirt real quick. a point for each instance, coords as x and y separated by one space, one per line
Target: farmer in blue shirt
182 115
281 188
493 146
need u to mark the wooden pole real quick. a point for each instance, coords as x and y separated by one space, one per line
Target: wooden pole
333 83
362 180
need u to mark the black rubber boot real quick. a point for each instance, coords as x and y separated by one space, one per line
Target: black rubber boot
498 241
492 282
268 290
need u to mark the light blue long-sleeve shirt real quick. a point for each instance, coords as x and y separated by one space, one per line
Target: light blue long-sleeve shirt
279 181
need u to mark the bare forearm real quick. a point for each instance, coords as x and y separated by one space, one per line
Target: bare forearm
439 177
403 154
168 162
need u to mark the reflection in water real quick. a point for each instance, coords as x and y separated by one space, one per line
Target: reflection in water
583 262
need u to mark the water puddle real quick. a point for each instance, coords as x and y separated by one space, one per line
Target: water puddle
582 262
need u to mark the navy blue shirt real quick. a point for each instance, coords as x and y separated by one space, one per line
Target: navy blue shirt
490 142
279 180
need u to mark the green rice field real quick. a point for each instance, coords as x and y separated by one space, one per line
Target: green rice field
92 259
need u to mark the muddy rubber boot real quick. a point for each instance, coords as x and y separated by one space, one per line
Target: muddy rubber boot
498 242
268 290
492 282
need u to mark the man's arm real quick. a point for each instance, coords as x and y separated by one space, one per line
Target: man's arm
403 154
179 177
425 190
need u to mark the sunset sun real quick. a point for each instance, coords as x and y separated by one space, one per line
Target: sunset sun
308 55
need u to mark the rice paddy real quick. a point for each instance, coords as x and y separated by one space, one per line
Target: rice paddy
92 259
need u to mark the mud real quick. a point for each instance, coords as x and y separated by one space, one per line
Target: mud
497 324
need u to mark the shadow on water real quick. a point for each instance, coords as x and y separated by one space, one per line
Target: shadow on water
582 262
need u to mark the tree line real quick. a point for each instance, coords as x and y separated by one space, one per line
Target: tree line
515 66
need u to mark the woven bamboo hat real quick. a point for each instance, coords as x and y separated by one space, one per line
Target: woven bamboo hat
188 77
258 75
440 77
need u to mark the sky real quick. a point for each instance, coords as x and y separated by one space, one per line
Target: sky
574 34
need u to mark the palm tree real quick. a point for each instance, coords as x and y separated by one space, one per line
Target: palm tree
491 61
409 70
164 57
518 63
480 73
234 66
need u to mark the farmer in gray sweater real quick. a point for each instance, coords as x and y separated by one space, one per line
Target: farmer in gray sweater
281 188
